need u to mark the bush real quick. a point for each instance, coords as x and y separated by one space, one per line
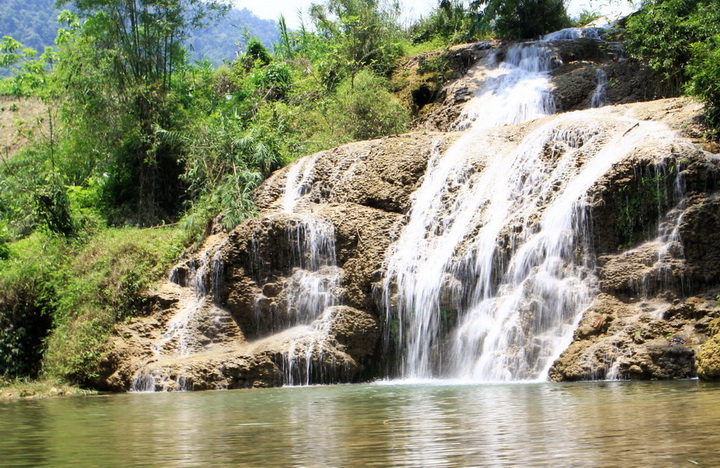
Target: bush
681 40
366 109
527 19
60 297
704 70
26 293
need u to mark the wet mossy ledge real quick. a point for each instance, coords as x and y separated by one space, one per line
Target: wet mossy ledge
708 359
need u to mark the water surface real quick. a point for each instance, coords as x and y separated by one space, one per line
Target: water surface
587 424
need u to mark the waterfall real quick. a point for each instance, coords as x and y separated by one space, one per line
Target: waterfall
197 324
599 96
516 89
313 286
493 269
574 33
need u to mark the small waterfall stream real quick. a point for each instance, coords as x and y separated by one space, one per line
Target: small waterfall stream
198 324
313 286
516 89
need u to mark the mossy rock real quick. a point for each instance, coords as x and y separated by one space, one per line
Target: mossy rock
708 359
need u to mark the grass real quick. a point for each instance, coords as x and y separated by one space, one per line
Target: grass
20 120
41 388
85 286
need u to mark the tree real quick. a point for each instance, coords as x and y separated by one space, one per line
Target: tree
363 33
681 40
523 19
452 21
119 67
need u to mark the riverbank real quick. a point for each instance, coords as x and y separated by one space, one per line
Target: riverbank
42 388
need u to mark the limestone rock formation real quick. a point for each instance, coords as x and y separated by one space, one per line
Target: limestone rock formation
708 359
577 66
294 296
656 218
238 312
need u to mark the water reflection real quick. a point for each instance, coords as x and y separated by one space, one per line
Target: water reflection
591 424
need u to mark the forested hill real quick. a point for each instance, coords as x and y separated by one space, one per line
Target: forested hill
219 41
34 24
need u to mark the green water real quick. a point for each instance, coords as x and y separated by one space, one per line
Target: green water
588 424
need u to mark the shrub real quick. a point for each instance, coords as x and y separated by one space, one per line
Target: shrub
366 109
681 40
26 293
527 19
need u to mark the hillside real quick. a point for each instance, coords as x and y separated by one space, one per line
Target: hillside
34 24
20 120
222 41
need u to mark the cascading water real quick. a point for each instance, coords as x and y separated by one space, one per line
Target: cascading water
599 96
516 89
196 324
492 271
315 280
491 264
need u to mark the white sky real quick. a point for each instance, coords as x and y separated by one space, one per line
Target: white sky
291 9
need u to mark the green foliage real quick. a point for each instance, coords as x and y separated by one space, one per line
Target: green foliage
640 204
4 239
78 289
455 21
53 208
681 39
586 17
28 72
26 292
364 35
130 54
19 179
257 53
366 109
704 71
525 19
451 22
99 284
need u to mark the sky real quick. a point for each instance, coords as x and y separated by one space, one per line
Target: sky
412 9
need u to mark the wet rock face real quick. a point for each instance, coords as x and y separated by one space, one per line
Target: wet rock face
577 64
640 340
422 83
700 232
286 297
655 225
379 174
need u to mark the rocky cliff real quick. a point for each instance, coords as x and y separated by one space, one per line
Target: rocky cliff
299 294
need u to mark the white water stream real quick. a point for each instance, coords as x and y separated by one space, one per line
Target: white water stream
492 272
315 280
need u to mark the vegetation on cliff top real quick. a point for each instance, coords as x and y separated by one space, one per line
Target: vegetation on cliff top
681 39
140 149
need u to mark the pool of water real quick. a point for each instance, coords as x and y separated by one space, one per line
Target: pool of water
437 424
